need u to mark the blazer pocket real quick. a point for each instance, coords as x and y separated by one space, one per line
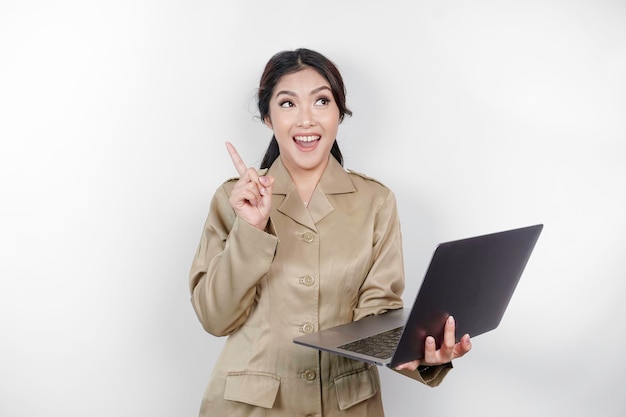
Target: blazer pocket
355 387
254 388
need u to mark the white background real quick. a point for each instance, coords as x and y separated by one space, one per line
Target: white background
480 115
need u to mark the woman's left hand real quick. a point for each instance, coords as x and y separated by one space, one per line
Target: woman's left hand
448 351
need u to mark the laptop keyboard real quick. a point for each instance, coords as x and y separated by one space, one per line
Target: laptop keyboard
381 345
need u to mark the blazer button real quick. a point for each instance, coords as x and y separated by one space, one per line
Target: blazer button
308 328
307 280
309 375
308 237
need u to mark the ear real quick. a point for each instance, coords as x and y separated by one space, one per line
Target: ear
268 122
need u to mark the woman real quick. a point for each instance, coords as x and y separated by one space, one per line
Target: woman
298 246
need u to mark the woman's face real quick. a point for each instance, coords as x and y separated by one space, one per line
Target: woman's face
305 119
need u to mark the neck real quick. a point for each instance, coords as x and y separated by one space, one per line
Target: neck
306 180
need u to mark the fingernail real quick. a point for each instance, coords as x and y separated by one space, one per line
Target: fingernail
263 180
263 190
451 320
430 340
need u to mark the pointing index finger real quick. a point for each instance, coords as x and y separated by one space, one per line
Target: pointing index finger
237 161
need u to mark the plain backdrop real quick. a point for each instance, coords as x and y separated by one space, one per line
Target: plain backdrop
480 115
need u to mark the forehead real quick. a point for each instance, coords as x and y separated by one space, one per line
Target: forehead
301 82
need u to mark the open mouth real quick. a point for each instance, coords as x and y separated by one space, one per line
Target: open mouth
308 141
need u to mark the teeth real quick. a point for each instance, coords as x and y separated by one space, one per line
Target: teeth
306 138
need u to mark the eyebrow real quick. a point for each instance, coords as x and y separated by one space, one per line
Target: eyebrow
314 91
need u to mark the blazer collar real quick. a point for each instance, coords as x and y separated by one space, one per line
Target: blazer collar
334 180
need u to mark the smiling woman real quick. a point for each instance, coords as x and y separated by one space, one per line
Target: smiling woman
305 120
289 62
298 246
113 116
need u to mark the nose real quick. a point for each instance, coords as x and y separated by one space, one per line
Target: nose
305 117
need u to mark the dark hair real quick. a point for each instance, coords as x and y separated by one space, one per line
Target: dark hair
288 62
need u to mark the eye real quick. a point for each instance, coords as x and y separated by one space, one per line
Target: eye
286 104
322 101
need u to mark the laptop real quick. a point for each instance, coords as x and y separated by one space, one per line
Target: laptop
472 279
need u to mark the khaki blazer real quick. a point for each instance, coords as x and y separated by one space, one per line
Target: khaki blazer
336 261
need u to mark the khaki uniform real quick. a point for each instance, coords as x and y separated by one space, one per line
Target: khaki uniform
336 261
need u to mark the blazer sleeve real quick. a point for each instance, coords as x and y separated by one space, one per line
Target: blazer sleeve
231 258
428 375
383 287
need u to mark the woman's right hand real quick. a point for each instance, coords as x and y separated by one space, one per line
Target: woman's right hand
252 196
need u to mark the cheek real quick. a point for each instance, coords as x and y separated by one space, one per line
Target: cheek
331 123
282 125
282 129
